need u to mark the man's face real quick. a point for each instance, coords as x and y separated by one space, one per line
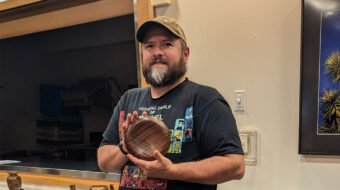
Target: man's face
164 61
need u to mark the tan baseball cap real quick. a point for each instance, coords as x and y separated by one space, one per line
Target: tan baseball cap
169 23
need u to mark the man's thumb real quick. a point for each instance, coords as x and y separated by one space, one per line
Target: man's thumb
157 155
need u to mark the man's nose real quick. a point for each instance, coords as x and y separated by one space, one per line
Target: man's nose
158 52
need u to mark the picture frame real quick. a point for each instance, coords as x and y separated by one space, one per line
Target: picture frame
315 48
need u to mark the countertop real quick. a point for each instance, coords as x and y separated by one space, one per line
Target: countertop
63 167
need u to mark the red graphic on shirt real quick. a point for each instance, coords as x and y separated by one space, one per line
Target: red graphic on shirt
134 178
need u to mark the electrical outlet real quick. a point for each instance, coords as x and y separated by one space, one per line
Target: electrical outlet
244 142
248 137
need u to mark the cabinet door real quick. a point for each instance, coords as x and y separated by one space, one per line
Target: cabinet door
1 62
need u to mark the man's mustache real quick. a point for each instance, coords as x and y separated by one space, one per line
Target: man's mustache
159 59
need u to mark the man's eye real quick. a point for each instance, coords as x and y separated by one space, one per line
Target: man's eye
168 44
148 46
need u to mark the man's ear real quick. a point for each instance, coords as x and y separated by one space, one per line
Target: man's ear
186 54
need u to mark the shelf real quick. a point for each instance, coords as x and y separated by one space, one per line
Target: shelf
11 11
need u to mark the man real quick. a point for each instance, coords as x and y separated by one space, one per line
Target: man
211 155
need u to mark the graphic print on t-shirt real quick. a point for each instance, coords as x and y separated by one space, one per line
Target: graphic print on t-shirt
134 178
182 132
153 110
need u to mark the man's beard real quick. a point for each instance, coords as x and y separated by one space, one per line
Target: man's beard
157 78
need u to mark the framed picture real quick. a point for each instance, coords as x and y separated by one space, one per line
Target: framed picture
320 78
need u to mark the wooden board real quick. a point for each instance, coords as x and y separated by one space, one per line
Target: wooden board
37 7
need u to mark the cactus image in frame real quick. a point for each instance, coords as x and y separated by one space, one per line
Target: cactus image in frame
329 76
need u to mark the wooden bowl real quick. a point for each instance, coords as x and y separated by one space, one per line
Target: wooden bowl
146 134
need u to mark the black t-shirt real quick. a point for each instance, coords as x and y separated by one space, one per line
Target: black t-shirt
200 122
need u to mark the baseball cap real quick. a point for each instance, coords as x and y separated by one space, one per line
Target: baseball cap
169 23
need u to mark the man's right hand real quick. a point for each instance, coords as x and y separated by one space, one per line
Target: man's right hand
110 157
124 124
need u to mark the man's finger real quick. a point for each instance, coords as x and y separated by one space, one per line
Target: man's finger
121 117
134 115
157 155
128 118
144 114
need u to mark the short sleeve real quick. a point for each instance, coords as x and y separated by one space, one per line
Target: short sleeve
217 132
111 134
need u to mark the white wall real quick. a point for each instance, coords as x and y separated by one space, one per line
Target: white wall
255 46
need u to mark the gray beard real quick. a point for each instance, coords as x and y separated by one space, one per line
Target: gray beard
157 76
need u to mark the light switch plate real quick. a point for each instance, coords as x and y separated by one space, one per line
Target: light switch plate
239 100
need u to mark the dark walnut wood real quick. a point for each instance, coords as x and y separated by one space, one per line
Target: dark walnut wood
146 134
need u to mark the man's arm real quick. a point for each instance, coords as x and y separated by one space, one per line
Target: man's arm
110 158
213 170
